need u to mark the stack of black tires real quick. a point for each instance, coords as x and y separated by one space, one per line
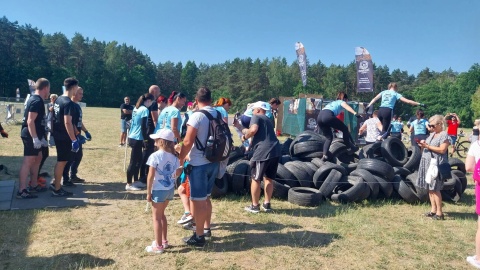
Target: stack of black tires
382 170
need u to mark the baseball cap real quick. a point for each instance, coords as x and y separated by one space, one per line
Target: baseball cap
262 105
163 133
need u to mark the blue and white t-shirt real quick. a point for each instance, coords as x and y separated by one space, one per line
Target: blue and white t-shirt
165 165
396 126
420 126
165 118
136 125
335 106
389 98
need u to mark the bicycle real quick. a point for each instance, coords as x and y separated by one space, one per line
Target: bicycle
461 148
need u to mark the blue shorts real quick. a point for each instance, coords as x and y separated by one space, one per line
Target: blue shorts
159 196
123 126
453 139
201 180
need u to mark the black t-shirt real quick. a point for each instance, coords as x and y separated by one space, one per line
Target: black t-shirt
77 116
123 115
34 104
265 144
63 106
150 125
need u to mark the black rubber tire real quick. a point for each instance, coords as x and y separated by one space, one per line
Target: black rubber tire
386 187
321 174
422 193
333 179
301 175
304 137
280 191
377 167
304 196
454 194
284 159
457 164
370 180
394 151
318 162
235 155
307 147
450 183
240 176
350 167
286 146
415 154
371 150
284 176
405 189
312 166
309 168
309 155
401 171
337 149
229 172
355 191
462 177
220 187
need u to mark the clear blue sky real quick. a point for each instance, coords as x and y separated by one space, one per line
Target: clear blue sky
409 35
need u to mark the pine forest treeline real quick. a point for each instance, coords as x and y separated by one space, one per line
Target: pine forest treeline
108 71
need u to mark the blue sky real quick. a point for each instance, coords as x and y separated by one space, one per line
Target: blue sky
409 35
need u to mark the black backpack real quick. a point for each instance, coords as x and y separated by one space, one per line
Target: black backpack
221 145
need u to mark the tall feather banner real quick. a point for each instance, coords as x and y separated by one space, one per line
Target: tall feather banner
302 61
364 63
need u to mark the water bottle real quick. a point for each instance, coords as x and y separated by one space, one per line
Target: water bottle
208 147
210 141
246 144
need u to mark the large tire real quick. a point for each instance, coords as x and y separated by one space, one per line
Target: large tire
284 176
300 174
454 194
304 196
415 154
307 148
235 155
309 168
310 155
457 164
333 179
337 149
401 171
422 193
377 167
386 187
317 162
462 177
405 189
394 151
371 151
286 146
322 173
370 180
355 191
304 137
220 187
280 190
240 176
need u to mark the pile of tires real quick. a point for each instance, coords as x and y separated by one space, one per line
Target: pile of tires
383 170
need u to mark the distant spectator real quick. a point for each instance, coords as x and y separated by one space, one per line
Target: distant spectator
396 127
50 114
125 116
162 103
223 106
154 90
475 130
170 117
420 127
453 122
373 128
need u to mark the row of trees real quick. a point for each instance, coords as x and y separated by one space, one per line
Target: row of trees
108 71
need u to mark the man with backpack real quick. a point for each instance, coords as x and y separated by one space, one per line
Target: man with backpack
266 154
201 143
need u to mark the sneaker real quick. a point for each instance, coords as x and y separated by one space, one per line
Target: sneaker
44 174
121 145
24 194
185 218
76 179
139 184
253 209
61 193
194 240
207 234
165 244
190 226
473 261
51 186
132 188
37 189
154 248
68 184
266 207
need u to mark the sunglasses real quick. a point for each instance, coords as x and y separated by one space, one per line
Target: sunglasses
431 126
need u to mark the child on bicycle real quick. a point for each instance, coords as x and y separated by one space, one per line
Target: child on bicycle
164 165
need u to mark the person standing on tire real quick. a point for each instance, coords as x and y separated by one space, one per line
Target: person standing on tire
472 158
453 122
327 119
389 98
435 146
266 154
419 127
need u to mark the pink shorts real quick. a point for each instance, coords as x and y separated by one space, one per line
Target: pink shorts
477 198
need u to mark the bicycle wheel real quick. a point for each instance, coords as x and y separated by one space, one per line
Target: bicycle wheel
462 149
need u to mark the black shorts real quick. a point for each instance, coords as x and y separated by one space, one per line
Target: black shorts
28 149
64 150
266 168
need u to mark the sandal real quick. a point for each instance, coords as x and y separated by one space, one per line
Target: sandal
438 217
430 214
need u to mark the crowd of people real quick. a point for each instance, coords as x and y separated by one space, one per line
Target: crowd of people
165 145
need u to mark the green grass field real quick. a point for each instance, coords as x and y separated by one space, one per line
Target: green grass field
113 230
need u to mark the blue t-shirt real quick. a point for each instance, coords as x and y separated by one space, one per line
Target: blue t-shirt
135 127
222 111
396 126
165 118
335 106
389 98
420 126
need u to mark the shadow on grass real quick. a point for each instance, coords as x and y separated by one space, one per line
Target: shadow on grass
14 240
112 191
